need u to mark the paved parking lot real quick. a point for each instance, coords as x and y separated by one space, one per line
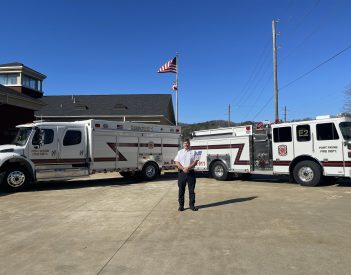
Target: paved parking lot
117 226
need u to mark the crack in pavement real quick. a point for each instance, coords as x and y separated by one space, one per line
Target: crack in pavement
130 236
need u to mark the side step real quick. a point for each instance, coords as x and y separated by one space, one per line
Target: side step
262 172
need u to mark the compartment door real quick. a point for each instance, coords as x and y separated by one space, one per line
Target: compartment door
127 152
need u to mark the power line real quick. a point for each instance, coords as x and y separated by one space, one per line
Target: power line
315 68
307 14
320 23
302 76
299 45
264 106
257 69
260 94
254 87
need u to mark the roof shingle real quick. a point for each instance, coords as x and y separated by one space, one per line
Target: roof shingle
105 105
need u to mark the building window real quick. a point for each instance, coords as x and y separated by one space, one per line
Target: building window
326 131
303 133
282 134
8 79
30 82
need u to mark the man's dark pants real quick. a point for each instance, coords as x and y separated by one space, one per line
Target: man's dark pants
184 178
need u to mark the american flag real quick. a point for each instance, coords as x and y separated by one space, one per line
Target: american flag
169 67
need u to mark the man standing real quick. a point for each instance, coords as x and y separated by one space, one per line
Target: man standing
186 160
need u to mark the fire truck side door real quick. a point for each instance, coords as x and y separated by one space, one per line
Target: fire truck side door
329 148
303 140
73 151
43 151
283 149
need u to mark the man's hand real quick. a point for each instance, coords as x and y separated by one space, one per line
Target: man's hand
185 170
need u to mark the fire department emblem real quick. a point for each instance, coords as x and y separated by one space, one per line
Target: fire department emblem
282 150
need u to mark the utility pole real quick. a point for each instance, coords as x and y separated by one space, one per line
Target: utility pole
285 113
275 72
177 85
229 115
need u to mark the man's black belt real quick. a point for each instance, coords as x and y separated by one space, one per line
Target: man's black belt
181 171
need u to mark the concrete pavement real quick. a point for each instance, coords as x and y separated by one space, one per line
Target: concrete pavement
117 226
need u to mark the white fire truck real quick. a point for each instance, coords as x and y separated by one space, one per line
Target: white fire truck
45 151
308 151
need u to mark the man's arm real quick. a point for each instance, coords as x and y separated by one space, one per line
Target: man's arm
178 164
191 166
180 167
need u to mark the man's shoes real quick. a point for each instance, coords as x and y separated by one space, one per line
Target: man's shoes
194 208
181 208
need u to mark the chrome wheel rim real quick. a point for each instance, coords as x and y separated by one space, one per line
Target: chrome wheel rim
306 174
16 178
219 171
150 171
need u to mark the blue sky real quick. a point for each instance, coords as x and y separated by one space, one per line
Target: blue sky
116 47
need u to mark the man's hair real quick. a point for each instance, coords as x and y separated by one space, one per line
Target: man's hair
186 140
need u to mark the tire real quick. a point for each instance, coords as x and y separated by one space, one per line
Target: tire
219 171
15 178
308 173
150 171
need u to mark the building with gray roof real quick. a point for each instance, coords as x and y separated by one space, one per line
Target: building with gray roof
146 108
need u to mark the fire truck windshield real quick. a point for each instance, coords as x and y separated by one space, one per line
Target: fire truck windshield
345 128
22 136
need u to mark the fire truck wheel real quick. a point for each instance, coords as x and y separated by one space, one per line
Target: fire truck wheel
15 178
150 171
308 173
219 171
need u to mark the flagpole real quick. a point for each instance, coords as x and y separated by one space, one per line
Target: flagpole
177 60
